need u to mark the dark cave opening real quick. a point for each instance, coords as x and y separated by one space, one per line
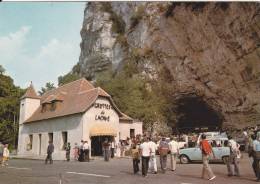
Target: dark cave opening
195 115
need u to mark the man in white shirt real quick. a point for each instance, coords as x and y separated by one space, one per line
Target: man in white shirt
86 151
145 151
233 158
152 162
174 149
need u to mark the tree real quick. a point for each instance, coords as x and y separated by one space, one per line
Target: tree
70 77
133 97
2 70
9 109
48 86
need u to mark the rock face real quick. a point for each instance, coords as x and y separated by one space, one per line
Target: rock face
208 50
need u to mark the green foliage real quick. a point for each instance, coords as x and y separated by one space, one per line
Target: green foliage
70 77
122 40
118 25
9 109
48 86
137 16
133 97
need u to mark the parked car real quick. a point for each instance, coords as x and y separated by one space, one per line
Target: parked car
187 155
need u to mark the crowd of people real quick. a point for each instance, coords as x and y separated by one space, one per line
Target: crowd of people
144 151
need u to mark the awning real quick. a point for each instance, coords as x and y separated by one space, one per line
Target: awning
102 130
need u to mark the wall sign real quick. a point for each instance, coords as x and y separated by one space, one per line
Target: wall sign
102 115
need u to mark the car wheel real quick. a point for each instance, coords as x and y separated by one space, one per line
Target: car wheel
184 159
225 159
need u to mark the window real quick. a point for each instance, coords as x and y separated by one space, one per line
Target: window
132 133
43 108
64 139
50 137
53 106
29 145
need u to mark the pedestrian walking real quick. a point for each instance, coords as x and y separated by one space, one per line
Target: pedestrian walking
206 150
1 152
113 146
174 149
145 151
86 151
256 157
5 155
163 150
136 157
233 157
68 147
152 161
76 152
106 149
50 150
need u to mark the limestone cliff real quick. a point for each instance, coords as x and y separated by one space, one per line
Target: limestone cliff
208 50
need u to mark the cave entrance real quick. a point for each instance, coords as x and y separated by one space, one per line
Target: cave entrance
195 115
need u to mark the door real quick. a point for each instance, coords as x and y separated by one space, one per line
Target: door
96 144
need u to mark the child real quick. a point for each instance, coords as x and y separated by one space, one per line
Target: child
76 152
5 155
136 158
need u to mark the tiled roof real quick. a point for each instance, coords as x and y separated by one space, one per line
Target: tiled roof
30 93
76 97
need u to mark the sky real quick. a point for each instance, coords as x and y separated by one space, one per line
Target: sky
39 41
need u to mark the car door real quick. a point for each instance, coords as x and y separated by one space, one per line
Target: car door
217 152
196 154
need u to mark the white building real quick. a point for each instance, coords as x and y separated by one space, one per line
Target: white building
73 112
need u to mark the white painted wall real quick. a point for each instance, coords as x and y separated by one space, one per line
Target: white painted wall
124 129
27 107
72 124
89 119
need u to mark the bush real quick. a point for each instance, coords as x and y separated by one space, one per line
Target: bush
118 24
137 16
122 40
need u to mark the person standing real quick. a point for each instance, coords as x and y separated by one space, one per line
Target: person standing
145 151
135 157
113 145
152 161
1 152
118 149
233 157
251 153
76 152
163 150
81 151
256 156
174 149
50 150
106 149
206 150
68 151
86 151
5 155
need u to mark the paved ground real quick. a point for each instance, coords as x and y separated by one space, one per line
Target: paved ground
117 171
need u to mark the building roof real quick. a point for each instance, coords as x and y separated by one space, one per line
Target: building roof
75 97
30 93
